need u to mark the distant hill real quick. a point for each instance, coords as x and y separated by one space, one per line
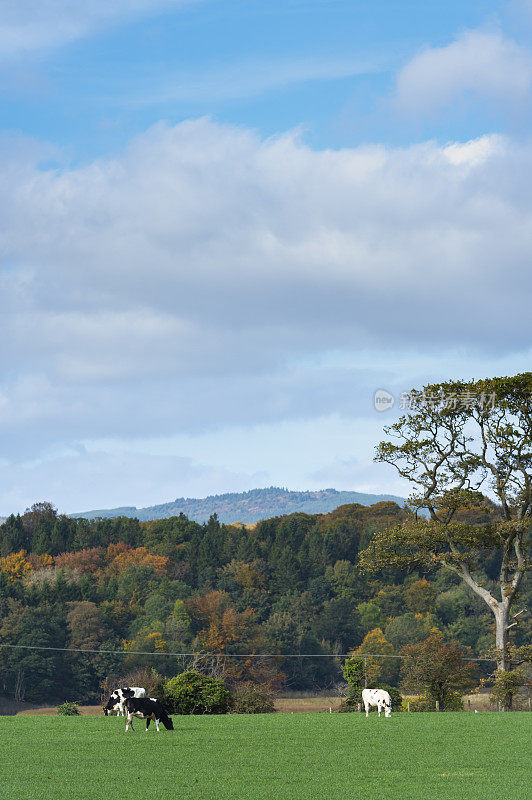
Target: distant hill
246 507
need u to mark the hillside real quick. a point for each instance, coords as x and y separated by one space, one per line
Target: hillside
247 507
287 585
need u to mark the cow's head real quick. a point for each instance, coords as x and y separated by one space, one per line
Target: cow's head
388 709
112 706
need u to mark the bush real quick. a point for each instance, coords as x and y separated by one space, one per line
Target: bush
453 702
68 710
250 698
351 702
423 702
148 678
420 703
395 696
193 693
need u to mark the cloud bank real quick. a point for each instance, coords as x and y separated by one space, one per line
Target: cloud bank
204 255
206 278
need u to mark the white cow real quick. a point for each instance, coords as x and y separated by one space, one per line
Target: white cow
118 698
379 698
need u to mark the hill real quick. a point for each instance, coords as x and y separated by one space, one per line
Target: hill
247 507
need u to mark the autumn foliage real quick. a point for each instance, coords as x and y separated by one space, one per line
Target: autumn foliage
15 566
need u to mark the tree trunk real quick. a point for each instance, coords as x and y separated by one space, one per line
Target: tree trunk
502 617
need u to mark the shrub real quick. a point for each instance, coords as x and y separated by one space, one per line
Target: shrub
193 693
148 678
453 702
251 698
395 696
354 697
420 703
68 710
349 703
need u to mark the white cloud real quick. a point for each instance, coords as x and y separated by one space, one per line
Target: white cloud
27 25
195 280
485 64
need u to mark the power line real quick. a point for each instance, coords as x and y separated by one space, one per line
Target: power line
211 655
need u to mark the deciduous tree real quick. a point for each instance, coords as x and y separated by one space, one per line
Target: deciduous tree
459 438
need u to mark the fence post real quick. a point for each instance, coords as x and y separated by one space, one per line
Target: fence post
437 705
408 705
468 704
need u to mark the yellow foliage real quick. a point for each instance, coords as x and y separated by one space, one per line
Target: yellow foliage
158 642
15 565
374 642
38 561
139 557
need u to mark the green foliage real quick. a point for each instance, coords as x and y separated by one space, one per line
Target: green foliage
425 702
250 698
508 683
420 703
406 629
306 603
461 437
371 616
420 596
193 693
68 710
353 671
395 695
435 669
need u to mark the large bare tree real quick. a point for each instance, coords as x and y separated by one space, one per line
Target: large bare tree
456 443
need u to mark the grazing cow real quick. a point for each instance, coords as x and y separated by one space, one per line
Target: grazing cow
147 708
115 704
379 698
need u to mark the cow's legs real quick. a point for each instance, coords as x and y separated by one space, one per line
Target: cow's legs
129 722
156 724
121 712
366 706
148 720
379 707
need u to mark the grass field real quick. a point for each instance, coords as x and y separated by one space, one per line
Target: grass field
281 756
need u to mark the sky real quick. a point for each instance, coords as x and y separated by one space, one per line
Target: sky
225 224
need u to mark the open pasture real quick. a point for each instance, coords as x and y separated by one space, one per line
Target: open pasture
293 756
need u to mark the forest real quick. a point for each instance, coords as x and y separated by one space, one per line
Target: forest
286 586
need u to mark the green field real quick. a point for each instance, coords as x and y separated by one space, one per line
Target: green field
292 756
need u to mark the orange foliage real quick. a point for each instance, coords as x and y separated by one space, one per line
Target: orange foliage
39 561
232 627
114 549
88 561
139 557
15 565
207 608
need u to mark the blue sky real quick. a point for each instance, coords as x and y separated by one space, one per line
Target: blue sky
226 224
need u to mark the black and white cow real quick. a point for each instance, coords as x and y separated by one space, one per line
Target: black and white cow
147 708
115 704
379 698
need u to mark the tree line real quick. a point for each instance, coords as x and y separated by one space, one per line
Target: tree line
288 585
443 574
